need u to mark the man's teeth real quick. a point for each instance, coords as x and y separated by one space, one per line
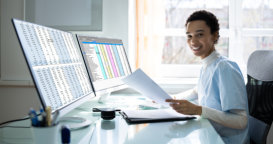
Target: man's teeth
196 48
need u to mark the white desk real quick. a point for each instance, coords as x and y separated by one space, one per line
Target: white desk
117 131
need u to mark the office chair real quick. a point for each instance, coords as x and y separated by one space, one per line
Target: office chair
260 94
269 139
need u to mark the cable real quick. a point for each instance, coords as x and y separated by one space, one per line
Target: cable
15 126
2 125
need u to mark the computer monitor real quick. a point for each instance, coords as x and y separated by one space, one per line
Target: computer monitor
56 66
107 63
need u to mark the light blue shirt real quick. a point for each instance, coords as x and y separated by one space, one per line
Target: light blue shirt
221 86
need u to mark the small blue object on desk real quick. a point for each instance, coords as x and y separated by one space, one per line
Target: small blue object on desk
65 133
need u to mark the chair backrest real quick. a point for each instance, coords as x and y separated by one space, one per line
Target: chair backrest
260 65
260 93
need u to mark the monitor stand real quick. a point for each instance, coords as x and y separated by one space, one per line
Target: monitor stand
103 97
75 123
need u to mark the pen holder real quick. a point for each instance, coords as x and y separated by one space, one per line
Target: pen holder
46 135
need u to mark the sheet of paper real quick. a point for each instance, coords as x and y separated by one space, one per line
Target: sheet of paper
154 114
146 86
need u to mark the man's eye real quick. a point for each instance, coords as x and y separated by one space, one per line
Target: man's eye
200 35
189 36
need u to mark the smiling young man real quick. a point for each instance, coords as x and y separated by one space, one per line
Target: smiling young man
221 91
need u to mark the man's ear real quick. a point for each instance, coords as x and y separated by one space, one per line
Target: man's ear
216 37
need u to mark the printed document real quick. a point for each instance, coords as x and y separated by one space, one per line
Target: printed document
146 86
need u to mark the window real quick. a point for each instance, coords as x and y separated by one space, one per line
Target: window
245 26
175 49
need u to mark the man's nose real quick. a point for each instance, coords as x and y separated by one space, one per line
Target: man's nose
194 41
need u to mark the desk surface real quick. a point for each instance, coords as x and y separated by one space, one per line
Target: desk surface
117 131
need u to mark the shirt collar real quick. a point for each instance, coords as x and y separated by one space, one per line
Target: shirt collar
209 59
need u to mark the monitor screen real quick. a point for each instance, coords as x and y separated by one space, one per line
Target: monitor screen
106 61
56 66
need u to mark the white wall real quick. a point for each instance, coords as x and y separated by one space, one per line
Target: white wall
115 21
13 65
17 93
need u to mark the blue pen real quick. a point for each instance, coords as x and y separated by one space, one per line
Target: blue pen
33 116
65 133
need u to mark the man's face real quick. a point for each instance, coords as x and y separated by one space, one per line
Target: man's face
200 39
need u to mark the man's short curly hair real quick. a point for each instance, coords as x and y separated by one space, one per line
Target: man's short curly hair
209 18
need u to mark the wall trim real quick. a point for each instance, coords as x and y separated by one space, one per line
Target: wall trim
16 83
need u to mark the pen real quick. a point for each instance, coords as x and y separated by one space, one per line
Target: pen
55 117
33 116
43 121
48 116
65 133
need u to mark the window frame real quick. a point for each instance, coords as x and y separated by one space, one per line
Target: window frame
235 32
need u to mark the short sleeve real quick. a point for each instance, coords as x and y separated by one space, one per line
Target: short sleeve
232 89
